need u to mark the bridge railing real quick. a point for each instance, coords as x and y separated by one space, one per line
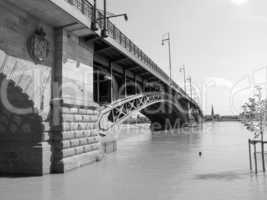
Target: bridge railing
87 9
83 5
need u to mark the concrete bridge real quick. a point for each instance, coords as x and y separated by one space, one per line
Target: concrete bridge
68 75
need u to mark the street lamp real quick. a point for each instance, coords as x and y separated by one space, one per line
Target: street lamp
182 69
190 81
105 18
168 39
93 24
113 16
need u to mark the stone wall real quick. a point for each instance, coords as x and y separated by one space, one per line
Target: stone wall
24 147
77 70
15 28
78 142
75 140
33 142
25 95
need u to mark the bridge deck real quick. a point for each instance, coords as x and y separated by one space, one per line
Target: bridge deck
122 43
76 17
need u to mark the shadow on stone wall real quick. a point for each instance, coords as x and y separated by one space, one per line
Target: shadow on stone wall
21 150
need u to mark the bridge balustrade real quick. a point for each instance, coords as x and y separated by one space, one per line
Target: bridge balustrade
87 9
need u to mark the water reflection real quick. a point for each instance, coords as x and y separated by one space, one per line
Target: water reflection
156 167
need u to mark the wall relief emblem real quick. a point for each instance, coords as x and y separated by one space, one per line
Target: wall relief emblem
38 46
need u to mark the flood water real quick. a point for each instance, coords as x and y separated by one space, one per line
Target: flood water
164 166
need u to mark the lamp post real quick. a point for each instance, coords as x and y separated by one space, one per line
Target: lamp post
189 106
93 24
104 31
190 81
168 40
104 18
182 69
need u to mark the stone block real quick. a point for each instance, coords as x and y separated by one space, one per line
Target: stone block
68 135
66 144
79 150
79 134
68 152
83 141
74 142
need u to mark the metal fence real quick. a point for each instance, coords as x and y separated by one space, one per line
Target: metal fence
87 9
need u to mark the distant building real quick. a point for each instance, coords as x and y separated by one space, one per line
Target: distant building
230 118
212 113
212 116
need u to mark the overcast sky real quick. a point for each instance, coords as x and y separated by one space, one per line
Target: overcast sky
223 43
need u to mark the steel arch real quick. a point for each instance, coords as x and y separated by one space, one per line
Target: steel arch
117 112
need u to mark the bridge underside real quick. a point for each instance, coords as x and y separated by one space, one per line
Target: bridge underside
116 75
164 116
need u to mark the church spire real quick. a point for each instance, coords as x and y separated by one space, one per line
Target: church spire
212 111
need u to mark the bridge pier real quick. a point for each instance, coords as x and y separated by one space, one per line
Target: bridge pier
47 116
74 138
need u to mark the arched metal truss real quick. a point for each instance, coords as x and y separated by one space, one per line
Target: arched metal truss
118 111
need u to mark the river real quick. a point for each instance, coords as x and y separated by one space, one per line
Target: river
163 166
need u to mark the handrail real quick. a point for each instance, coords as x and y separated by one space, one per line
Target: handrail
87 9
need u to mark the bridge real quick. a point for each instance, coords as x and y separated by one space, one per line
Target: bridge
67 79
163 110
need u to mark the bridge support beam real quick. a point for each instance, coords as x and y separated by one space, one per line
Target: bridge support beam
74 136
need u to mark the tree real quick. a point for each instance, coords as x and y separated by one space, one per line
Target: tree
254 113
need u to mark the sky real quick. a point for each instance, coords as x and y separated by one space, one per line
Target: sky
222 43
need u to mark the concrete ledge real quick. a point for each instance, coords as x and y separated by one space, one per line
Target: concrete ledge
77 161
73 11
